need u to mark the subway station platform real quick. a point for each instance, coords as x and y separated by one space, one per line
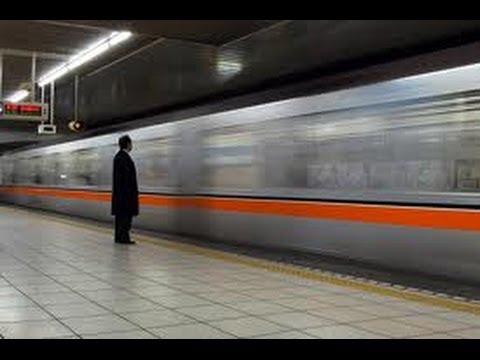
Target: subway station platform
62 278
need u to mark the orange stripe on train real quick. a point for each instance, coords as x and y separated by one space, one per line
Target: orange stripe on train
453 219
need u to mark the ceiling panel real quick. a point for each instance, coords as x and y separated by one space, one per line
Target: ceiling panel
213 32
34 36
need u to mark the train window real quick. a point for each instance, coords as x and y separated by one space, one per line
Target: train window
77 169
286 155
402 149
81 168
24 171
2 171
63 169
106 154
7 170
340 153
36 166
229 158
47 169
467 175
51 169
155 162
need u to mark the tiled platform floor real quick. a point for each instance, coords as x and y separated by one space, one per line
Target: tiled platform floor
62 281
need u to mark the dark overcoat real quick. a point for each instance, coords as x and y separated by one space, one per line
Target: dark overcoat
125 187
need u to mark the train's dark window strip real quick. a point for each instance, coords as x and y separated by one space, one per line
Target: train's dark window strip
345 201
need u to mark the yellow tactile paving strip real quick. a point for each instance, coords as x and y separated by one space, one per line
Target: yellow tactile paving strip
404 294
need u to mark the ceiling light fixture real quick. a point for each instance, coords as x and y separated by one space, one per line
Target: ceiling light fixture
18 96
86 55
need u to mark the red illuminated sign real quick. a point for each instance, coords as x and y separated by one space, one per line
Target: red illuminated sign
23 111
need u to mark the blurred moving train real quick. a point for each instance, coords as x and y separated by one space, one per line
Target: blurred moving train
387 173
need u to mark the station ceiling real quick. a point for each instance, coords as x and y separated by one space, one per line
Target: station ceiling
191 50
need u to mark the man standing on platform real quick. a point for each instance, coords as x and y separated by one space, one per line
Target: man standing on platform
125 191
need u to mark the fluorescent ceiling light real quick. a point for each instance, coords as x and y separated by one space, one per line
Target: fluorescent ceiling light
53 75
86 55
229 67
119 37
18 96
229 63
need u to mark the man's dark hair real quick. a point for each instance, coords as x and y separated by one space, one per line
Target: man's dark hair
124 141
